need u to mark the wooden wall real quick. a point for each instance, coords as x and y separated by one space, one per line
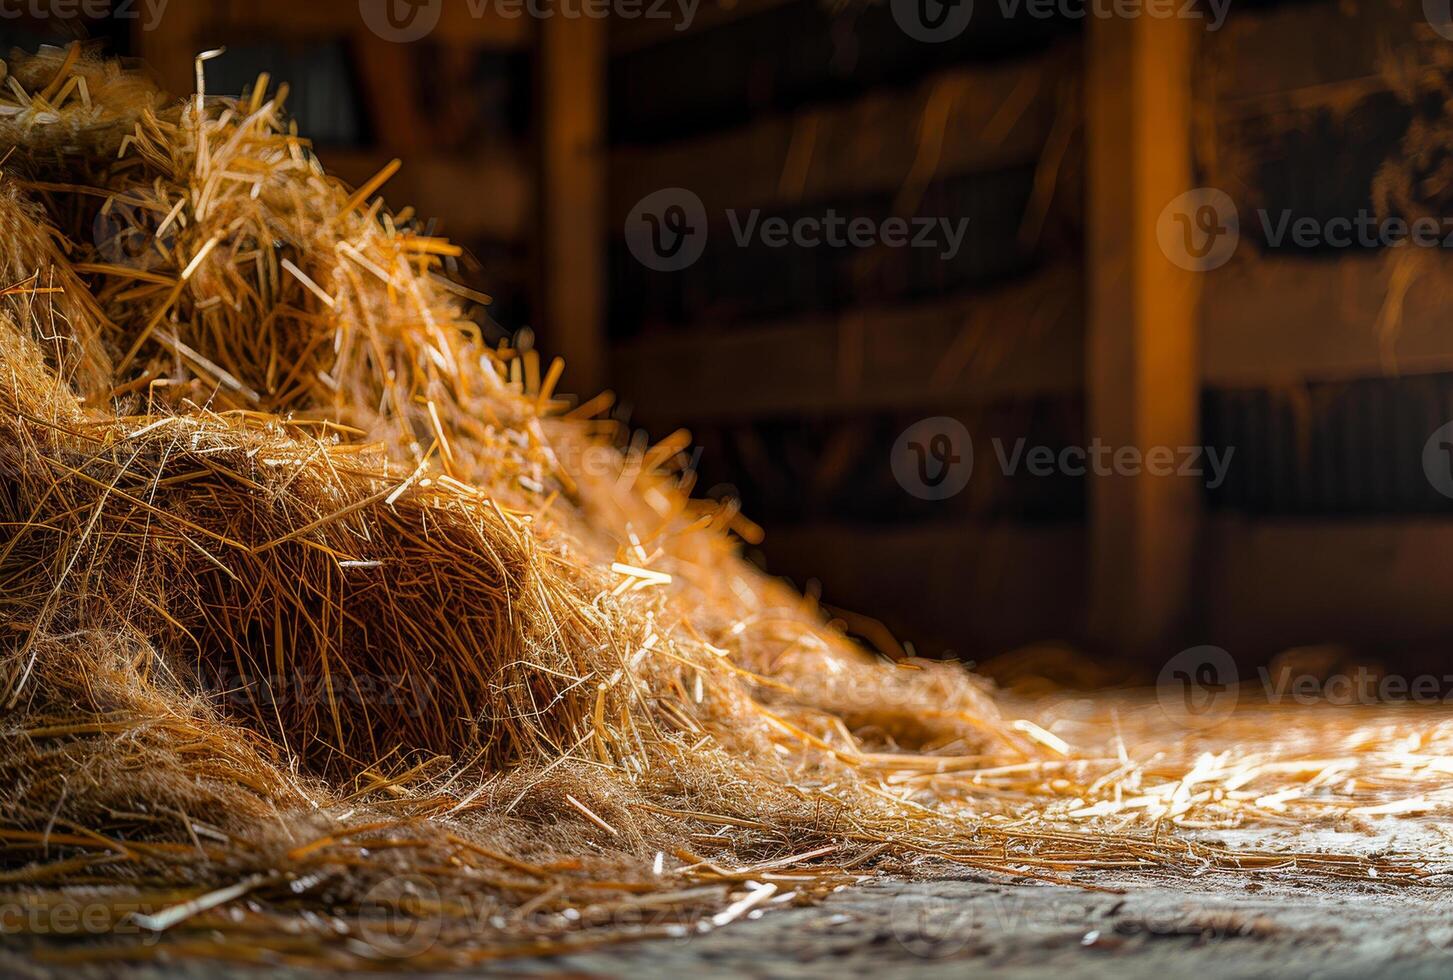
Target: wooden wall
797 375
1060 319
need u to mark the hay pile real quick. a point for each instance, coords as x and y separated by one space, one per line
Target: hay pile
329 635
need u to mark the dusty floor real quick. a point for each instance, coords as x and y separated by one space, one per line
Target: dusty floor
1216 925
955 928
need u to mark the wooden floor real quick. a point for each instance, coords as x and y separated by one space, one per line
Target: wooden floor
1157 927
1214 926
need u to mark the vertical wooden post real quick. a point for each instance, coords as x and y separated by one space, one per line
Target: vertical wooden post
572 239
388 83
1142 347
171 47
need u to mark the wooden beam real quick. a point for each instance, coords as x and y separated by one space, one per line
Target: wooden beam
968 588
387 86
1303 54
386 71
627 35
1381 585
486 195
572 70
1143 379
1273 321
460 22
962 120
1378 586
1021 340
170 48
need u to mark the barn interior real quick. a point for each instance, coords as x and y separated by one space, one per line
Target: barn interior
969 483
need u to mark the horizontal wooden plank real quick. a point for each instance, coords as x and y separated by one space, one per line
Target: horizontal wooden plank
962 120
1379 587
486 195
1299 55
460 22
1021 339
966 589
665 23
795 55
1379 584
1279 320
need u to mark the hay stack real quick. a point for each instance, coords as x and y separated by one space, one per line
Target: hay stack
310 605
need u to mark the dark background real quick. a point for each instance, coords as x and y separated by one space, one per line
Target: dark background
796 369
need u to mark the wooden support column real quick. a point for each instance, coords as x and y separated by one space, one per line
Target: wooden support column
1142 347
572 73
171 46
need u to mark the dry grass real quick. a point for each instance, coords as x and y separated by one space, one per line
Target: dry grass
329 635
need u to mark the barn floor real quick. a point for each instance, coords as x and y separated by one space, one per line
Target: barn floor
1214 926
1148 926
1217 925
